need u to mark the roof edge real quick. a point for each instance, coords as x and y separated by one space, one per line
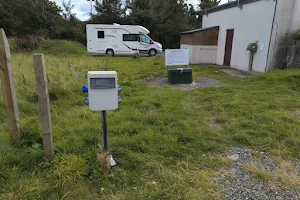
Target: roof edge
197 30
229 5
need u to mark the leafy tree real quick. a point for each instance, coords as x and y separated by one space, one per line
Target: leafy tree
27 18
20 17
108 12
71 28
165 18
68 7
45 18
205 4
193 16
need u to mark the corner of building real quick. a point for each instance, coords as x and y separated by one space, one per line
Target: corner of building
286 23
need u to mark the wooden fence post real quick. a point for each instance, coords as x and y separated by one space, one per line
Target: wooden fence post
9 90
42 89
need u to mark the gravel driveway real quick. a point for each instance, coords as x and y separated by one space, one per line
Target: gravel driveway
200 83
239 184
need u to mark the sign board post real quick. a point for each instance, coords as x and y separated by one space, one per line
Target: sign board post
9 90
104 131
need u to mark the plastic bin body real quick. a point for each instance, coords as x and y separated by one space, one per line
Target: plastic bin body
180 76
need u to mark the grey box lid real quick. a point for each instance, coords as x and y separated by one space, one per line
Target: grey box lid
181 69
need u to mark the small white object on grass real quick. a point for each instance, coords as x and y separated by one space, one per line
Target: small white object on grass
112 161
234 157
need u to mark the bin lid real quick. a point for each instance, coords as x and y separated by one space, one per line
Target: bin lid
181 69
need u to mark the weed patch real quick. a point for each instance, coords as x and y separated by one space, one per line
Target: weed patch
69 168
287 180
264 176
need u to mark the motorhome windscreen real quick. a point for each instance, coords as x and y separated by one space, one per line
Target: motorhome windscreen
145 39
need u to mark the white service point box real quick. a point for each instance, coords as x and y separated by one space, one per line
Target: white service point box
103 90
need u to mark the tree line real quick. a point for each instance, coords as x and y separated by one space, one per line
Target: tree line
165 19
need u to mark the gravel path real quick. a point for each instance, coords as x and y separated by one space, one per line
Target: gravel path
200 83
239 184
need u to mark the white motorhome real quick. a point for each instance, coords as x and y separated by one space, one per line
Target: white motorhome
118 39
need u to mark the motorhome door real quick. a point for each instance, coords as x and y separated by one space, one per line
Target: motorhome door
145 43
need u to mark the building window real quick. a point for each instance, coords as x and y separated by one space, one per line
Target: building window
130 37
101 34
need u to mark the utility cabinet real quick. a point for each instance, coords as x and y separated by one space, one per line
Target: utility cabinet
103 90
180 75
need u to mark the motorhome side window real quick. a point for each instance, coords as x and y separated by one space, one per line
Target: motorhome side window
130 37
101 34
145 39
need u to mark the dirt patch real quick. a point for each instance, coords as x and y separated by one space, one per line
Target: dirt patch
296 113
200 83
214 124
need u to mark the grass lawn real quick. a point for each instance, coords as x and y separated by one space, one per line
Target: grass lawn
161 137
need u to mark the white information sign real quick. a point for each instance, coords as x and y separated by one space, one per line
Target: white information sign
175 57
262 46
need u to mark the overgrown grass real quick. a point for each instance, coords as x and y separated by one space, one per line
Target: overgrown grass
160 136
285 177
53 47
287 180
264 176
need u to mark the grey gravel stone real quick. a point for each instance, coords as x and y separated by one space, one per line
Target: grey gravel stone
200 83
239 184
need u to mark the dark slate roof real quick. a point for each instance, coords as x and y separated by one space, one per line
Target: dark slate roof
197 30
229 5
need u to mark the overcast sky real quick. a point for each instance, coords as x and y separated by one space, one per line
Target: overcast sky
83 7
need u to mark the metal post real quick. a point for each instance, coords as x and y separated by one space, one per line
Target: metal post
91 7
104 131
250 62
